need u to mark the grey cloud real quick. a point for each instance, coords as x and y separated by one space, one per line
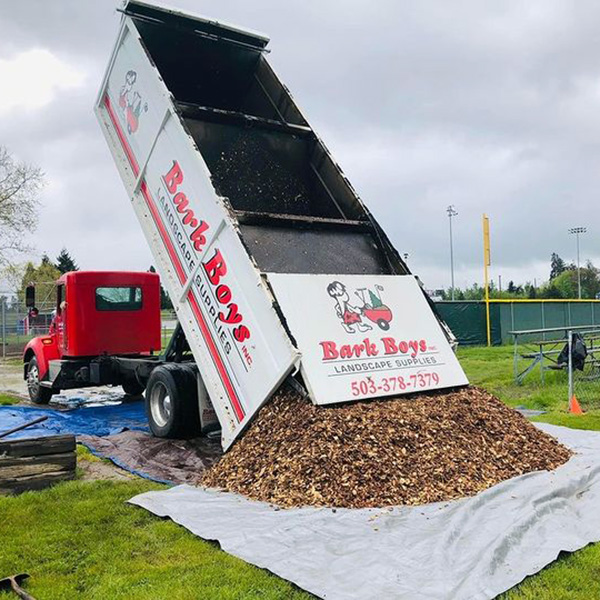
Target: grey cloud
490 106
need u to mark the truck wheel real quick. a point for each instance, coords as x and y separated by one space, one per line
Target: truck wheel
172 402
37 393
132 388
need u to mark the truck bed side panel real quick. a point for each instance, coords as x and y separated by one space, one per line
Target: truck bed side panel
238 342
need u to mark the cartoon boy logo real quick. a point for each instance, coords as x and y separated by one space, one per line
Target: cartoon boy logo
350 315
130 102
371 307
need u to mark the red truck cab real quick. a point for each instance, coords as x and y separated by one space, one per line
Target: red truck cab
100 317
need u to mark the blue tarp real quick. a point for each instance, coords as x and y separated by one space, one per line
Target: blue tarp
100 421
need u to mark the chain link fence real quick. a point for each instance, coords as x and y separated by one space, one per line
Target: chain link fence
17 327
558 364
168 324
584 369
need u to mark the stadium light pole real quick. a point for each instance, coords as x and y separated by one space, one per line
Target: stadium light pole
577 231
451 213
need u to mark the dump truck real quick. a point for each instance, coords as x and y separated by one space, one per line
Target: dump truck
275 267
105 330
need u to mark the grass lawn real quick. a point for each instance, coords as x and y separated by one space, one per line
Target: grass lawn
13 360
8 399
492 369
81 540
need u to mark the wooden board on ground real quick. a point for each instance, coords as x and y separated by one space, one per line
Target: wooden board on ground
36 463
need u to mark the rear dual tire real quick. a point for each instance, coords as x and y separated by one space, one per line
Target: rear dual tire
172 401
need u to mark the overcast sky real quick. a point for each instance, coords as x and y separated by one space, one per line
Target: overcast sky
491 106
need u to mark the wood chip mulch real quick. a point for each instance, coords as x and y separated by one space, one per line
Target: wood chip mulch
409 450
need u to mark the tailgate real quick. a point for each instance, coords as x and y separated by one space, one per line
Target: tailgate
365 336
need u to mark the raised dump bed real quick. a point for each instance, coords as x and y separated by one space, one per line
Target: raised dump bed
273 263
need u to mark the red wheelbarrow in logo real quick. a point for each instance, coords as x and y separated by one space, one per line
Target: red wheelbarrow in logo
371 307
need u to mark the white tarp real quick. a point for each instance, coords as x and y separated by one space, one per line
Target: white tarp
472 548
365 336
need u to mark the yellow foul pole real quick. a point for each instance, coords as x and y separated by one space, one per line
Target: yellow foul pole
486 263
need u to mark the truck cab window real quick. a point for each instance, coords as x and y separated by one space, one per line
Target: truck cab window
119 298
60 291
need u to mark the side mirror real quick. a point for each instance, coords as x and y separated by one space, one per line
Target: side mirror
30 296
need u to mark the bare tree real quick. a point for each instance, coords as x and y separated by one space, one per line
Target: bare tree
20 185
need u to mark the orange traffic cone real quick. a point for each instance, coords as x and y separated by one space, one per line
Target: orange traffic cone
574 406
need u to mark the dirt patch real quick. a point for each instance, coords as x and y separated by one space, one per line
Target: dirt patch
11 378
410 450
102 471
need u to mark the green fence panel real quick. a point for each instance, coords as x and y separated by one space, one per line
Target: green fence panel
506 318
556 314
495 323
528 315
581 313
467 320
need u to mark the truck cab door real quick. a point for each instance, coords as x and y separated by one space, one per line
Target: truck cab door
60 320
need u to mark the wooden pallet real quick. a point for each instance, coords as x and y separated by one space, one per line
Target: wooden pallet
36 463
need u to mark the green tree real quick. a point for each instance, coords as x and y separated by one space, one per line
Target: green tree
550 291
43 277
557 266
165 300
65 263
567 282
475 292
20 185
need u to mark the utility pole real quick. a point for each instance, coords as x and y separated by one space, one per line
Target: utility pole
577 231
451 213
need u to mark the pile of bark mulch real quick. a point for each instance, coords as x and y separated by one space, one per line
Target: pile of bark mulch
409 450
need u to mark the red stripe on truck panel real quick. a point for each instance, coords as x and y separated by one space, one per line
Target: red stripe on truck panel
237 407
126 147
233 398
235 402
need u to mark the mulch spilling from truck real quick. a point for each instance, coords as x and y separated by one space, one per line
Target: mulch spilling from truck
405 451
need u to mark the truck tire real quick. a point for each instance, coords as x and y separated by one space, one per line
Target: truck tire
132 388
172 402
37 393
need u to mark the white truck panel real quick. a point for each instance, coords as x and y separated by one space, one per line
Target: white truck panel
365 336
224 307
